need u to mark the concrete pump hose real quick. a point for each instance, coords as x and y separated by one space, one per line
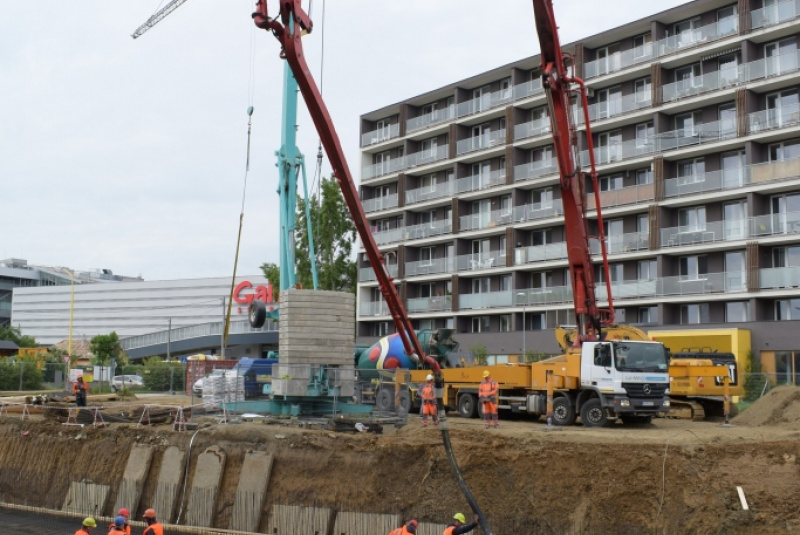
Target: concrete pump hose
460 479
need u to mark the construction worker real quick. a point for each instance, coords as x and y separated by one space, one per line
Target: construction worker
87 526
154 527
80 389
125 514
428 394
409 527
118 527
459 525
487 394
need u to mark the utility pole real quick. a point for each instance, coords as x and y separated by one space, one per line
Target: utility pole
222 331
169 337
521 294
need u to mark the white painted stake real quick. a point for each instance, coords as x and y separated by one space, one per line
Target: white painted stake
742 498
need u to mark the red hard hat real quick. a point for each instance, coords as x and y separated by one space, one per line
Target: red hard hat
149 513
413 522
124 512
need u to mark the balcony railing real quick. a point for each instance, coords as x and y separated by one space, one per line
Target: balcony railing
430 267
367 274
483 141
481 181
551 295
782 277
774 224
480 261
383 168
527 171
761 121
534 211
382 134
485 300
495 218
484 102
442 189
528 89
619 61
624 243
623 196
425 157
373 308
616 106
539 127
382 237
616 152
540 253
426 230
774 14
380 203
732 178
437 303
430 119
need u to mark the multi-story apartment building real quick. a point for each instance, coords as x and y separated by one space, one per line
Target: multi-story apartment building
695 115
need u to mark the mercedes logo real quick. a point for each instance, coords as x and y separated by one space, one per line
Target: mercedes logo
646 389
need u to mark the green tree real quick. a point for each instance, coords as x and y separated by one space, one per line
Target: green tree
159 375
13 334
105 347
272 272
480 353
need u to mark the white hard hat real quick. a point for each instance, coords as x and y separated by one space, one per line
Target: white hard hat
429 377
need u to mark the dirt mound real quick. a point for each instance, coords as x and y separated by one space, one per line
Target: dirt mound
780 407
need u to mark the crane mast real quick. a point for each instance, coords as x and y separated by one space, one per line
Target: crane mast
557 83
157 17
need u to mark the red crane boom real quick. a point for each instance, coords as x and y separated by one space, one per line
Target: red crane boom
557 82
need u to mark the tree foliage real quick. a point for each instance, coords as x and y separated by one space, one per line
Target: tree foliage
272 272
105 347
13 334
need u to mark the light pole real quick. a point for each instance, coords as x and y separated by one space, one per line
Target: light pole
525 295
71 309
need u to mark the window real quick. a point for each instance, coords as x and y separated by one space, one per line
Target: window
783 109
481 285
694 314
428 183
480 136
734 271
644 134
503 248
787 309
425 324
642 90
687 32
609 102
736 311
727 21
542 158
784 257
542 279
734 216
733 166
505 88
382 162
505 323
608 59
694 267
505 206
428 149
505 283
727 119
613 230
380 329
541 237
647 314
688 124
480 248
647 270
781 56
728 70
691 171
609 146
426 256
501 163
542 198
429 109
481 98
615 273
643 46
688 77
786 150
383 130
644 176
786 212
480 324
643 228
481 211
692 219
426 290
610 182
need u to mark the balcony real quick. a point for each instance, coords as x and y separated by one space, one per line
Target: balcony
540 253
616 152
377 204
551 295
484 102
619 61
624 243
439 303
383 168
430 267
732 178
382 237
430 119
485 300
528 89
691 234
380 135
426 230
367 274
623 196
534 211
527 171
425 157
484 220
775 14
481 181
480 261
483 141
615 107
762 121
774 224
373 308
539 127
427 193
779 278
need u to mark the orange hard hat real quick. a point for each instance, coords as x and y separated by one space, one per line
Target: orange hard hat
149 513
124 512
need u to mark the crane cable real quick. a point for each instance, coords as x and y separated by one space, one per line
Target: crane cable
250 91
316 182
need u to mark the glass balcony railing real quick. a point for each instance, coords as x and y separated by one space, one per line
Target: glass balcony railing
732 178
534 211
380 203
373 308
444 189
772 224
618 61
382 134
485 300
539 127
616 152
481 181
382 237
775 14
527 171
784 117
480 261
623 196
484 102
551 295
615 106
425 157
484 141
439 303
528 89
430 267
367 274
383 168
624 243
426 230
540 253
430 119
495 218
781 277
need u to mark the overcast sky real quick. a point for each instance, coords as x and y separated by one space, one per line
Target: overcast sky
130 155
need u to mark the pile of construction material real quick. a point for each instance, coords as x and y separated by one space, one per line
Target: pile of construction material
317 336
218 389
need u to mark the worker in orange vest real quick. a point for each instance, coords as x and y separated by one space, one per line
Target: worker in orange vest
80 389
118 527
428 395
410 527
125 514
459 525
154 527
87 526
487 394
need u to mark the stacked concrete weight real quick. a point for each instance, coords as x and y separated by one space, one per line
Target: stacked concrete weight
317 328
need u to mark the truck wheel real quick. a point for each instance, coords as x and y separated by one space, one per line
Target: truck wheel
384 401
563 411
404 401
257 314
467 405
593 414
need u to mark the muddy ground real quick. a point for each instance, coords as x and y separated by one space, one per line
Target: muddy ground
671 477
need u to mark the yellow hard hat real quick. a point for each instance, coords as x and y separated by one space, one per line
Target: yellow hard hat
89 522
460 516
486 373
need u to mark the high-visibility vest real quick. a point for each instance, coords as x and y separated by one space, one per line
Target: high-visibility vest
427 392
487 389
154 529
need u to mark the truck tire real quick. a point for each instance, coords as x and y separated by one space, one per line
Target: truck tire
563 411
257 314
593 414
384 401
467 405
404 401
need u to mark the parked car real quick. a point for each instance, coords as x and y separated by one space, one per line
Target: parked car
126 381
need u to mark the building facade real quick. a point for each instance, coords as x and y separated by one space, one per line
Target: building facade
695 115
